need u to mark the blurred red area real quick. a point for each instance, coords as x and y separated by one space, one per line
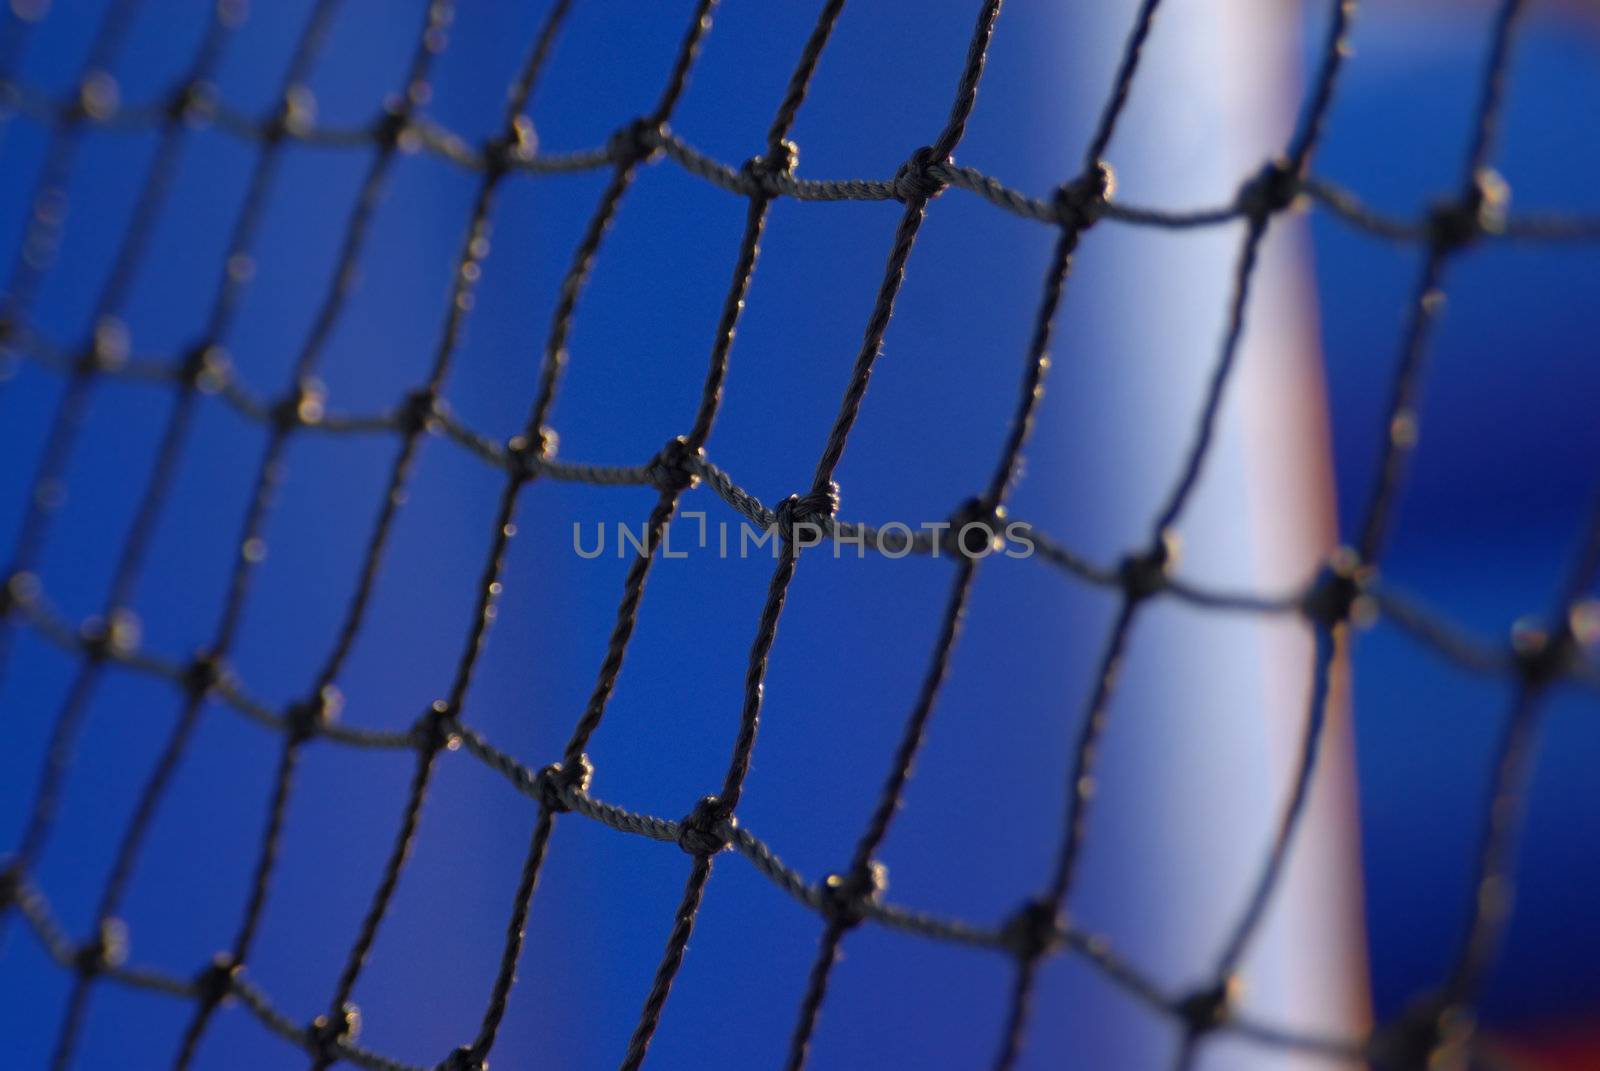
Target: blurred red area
1571 1046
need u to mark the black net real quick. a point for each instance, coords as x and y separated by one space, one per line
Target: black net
1346 591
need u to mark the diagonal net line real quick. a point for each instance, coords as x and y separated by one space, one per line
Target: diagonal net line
1076 201
220 319
532 444
303 396
513 142
1266 194
1346 591
1453 224
36 254
672 477
116 625
914 187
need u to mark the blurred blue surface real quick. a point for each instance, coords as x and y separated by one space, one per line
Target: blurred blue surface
1502 481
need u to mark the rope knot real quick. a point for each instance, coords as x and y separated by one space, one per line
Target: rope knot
108 949
193 102
97 99
309 717
108 348
435 730
1033 929
761 170
418 412
10 883
808 511
391 130
847 898
915 180
206 367
115 636
1270 190
465 1058
20 591
214 983
705 830
513 147
326 1032
637 142
974 530
1338 592
1080 202
203 674
1453 225
1429 1034
669 470
294 115
302 407
1543 654
556 780
524 452
1144 575
1206 1009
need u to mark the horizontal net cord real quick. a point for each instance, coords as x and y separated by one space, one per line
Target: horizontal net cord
104 957
23 596
424 135
532 783
1423 624
36 910
42 922
91 639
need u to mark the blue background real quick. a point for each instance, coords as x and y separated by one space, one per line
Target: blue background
1501 484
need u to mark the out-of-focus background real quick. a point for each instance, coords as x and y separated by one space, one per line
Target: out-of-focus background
1501 485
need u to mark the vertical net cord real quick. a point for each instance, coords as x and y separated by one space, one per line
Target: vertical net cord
1204 1008
1505 808
822 500
1141 575
1329 635
107 343
33 259
778 157
1326 642
241 241
1444 238
318 705
126 263
515 139
1542 655
1081 195
536 439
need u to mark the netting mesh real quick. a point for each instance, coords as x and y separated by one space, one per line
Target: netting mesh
1347 590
